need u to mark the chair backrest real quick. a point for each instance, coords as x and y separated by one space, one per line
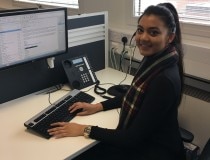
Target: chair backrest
186 135
205 154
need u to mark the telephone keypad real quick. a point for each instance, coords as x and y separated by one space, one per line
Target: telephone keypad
85 77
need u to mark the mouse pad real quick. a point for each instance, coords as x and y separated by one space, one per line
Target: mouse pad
118 90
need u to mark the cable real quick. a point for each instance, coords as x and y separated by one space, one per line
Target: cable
89 89
122 58
101 91
131 59
114 56
124 40
111 52
49 99
51 89
126 74
58 87
120 63
134 34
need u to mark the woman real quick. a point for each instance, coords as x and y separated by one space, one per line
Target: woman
148 127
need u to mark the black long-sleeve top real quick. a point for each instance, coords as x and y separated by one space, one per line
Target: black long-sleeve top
155 129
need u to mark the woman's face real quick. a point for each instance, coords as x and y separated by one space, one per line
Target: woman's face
152 35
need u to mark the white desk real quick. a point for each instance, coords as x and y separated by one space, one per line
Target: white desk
18 143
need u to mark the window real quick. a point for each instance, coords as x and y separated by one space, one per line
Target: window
195 11
60 3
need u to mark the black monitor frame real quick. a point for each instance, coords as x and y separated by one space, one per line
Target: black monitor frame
34 11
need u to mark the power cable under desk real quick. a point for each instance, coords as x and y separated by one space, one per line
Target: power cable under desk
50 89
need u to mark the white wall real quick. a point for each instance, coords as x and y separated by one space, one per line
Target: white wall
115 8
6 4
194 113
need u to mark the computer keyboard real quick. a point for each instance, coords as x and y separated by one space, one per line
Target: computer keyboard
57 112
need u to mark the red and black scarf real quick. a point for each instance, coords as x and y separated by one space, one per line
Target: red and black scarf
150 68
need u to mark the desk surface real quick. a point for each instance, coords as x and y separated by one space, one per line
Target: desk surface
16 142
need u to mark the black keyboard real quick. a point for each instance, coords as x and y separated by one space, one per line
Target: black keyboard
57 112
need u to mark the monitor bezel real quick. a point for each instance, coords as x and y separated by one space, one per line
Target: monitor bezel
44 56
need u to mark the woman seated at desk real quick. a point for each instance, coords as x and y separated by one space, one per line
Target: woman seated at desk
148 127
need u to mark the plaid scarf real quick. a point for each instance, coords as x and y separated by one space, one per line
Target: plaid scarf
149 69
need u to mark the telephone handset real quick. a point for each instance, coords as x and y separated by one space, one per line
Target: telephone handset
79 72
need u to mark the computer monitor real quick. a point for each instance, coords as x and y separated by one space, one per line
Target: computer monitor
29 35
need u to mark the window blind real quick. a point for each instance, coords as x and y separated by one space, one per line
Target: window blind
197 11
65 3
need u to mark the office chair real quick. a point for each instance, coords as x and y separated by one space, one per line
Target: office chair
188 137
205 154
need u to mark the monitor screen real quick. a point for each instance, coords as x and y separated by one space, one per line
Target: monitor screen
26 36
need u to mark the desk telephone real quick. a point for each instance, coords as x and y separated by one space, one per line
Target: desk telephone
79 72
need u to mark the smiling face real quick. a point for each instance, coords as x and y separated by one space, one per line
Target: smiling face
152 35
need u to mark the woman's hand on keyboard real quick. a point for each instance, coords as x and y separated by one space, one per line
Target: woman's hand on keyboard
66 129
87 108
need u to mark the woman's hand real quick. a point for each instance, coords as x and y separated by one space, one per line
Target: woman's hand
65 129
87 108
